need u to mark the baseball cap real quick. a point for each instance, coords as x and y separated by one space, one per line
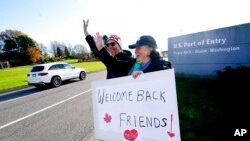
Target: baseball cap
144 40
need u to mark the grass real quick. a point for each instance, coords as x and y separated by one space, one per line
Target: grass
13 77
90 66
71 61
17 77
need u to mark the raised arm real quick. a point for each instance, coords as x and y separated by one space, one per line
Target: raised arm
90 39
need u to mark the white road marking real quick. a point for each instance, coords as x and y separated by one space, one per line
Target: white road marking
44 109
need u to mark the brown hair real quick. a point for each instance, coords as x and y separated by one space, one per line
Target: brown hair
155 55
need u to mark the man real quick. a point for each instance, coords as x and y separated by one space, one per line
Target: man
113 47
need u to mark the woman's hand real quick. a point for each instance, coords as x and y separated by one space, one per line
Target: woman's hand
85 27
136 74
99 41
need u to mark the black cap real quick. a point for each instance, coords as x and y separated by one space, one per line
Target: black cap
144 40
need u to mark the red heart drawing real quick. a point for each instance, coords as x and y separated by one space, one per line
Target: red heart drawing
107 118
130 135
171 134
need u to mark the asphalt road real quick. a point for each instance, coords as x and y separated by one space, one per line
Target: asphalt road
57 114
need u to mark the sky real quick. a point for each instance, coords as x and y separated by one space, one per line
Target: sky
62 20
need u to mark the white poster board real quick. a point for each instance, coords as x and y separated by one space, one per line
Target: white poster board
141 109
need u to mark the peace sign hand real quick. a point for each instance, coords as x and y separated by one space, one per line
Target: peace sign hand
85 27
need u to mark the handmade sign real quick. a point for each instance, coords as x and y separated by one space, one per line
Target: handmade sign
141 109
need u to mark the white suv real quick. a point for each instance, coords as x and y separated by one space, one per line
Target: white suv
53 74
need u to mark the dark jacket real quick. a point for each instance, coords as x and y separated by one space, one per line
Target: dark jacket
120 64
157 65
116 66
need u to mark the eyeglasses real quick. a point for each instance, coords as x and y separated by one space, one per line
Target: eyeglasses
110 44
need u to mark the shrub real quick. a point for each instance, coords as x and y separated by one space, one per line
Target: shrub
233 92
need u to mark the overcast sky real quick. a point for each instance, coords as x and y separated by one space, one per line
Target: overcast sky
61 20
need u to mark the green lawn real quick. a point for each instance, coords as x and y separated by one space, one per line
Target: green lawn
17 77
13 77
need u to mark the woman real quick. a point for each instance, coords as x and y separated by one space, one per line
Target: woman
147 58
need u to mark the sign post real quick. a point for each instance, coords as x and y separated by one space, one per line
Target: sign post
141 109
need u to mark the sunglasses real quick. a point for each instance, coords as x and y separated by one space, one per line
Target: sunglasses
110 44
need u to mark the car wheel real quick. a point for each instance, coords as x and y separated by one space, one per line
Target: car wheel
56 81
82 75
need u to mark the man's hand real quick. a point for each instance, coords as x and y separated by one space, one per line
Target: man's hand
99 41
85 27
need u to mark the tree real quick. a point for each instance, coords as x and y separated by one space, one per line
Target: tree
58 52
9 45
69 48
79 51
54 45
66 52
24 42
1 45
43 49
9 50
62 47
15 48
10 34
34 54
8 38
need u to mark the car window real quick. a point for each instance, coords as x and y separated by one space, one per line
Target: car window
37 68
67 66
60 66
53 67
